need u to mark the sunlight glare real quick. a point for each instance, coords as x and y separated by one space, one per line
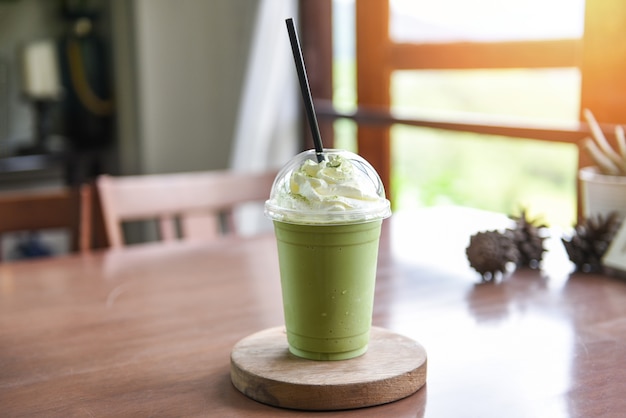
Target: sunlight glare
485 20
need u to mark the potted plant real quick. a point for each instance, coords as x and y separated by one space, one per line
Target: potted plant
603 185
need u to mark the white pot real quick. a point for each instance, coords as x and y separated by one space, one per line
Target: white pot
602 194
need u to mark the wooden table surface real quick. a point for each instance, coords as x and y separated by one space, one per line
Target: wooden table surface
147 331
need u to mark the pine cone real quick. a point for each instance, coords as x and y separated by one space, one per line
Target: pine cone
489 252
528 236
590 241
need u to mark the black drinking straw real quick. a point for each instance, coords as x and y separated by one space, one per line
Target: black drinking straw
304 88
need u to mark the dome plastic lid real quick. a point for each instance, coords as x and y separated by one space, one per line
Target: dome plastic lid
341 189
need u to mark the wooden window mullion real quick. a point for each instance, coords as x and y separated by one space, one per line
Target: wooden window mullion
373 80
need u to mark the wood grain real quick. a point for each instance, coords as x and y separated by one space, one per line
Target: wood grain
148 330
262 368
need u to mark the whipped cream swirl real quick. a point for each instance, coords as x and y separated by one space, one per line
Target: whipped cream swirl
330 185
342 188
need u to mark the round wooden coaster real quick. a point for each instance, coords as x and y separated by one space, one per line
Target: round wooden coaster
263 369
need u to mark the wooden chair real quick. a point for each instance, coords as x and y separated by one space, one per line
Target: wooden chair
69 209
196 205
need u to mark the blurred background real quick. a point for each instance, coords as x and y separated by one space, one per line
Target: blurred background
143 86
156 86
138 87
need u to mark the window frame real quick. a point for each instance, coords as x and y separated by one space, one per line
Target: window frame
603 80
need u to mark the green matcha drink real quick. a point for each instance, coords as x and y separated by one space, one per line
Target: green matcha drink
327 219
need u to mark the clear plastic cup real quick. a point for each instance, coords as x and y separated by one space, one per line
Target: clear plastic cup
327 251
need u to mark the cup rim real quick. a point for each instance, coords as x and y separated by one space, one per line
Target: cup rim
300 217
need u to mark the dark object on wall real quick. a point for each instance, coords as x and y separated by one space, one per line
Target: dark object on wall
87 104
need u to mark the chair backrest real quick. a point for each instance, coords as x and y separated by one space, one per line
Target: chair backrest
35 210
198 201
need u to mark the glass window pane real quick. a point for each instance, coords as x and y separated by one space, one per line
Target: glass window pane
551 94
344 55
345 135
484 20
433 167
